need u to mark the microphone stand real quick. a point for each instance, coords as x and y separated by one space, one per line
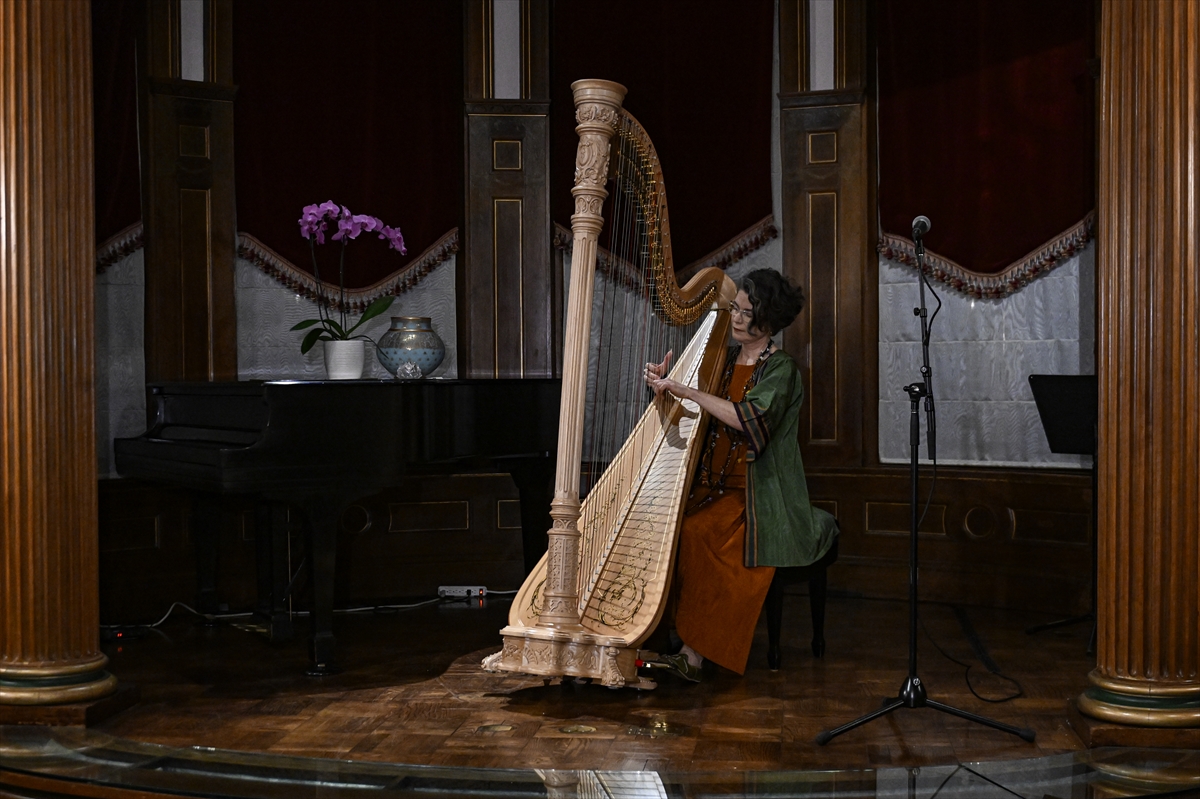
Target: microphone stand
912 693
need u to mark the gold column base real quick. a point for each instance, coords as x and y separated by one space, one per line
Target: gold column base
57 684
1140 703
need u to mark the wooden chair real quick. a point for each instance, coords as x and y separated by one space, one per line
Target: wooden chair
814 575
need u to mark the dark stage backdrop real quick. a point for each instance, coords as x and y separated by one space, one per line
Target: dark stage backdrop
986 123
114 100
356 103
699 81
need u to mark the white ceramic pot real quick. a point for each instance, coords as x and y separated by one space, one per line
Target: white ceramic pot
344 359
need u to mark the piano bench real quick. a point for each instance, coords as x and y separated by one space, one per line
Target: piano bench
814 575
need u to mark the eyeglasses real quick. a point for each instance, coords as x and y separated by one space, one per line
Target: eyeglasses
746 314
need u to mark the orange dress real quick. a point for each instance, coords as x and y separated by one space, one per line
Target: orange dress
719 598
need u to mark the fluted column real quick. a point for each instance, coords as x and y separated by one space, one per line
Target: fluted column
1148 653
49 625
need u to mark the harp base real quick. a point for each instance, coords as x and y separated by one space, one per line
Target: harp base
555 653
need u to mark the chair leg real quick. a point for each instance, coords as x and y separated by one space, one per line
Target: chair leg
774 607
816 600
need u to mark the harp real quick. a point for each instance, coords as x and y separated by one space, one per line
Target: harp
599 591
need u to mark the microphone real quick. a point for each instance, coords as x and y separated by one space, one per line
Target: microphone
920 226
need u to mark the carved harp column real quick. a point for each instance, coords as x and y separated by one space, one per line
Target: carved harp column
49 598
185 129
597 105
1148 655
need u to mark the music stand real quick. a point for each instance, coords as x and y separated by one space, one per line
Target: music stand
1069 409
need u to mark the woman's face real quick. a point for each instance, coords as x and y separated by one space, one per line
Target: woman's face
742 317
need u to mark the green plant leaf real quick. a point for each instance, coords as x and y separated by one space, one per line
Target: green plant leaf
312 338
335 330
377 306
306 323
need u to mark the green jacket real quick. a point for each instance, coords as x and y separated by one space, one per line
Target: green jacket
782 527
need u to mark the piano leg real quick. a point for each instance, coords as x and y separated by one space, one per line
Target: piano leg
206 535
324 513
534 478
272 530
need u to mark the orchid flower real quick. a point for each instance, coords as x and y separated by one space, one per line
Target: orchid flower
314 221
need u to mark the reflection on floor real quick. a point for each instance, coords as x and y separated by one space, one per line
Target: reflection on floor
68 762
411 692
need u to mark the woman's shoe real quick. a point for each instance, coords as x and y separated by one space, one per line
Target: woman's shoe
680 665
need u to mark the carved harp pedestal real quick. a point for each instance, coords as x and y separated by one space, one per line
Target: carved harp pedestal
600 589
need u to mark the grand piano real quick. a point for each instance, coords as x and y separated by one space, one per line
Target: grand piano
317 446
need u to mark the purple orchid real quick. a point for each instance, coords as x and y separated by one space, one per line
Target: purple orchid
314 221
394 238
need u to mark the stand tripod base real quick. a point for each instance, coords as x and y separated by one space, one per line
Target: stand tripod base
1052 625
912 694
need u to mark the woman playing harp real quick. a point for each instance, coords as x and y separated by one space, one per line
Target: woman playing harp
748 509
598 592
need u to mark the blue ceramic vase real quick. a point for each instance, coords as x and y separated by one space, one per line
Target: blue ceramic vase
410 349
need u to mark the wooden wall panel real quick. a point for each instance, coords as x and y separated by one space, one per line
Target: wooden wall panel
508 288
1148 655
826 251
997 537
188 209
402 542
507 283
49 634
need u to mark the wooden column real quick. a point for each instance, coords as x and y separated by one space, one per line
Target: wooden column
1148 656
49 625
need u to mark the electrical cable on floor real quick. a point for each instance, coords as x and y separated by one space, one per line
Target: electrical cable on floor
957 769
986 778
167 615
980 652
503 595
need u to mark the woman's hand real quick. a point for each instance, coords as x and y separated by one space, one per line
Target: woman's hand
655 377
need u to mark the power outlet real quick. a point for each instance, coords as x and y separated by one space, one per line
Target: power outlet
462 591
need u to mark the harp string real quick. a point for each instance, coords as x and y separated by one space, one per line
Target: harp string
631 324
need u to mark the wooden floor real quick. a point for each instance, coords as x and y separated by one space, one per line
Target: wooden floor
412 692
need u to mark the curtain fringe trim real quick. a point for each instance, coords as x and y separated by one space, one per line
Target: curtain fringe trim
626 274
287 274
125 243
295 279
1011 279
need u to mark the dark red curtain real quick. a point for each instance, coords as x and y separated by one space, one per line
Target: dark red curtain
699 79
355 102
986 123
114 101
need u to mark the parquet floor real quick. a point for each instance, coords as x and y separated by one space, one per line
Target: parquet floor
411 691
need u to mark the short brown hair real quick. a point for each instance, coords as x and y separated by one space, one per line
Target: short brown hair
774 301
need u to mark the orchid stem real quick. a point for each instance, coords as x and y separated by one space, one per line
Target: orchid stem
312 245
342 284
